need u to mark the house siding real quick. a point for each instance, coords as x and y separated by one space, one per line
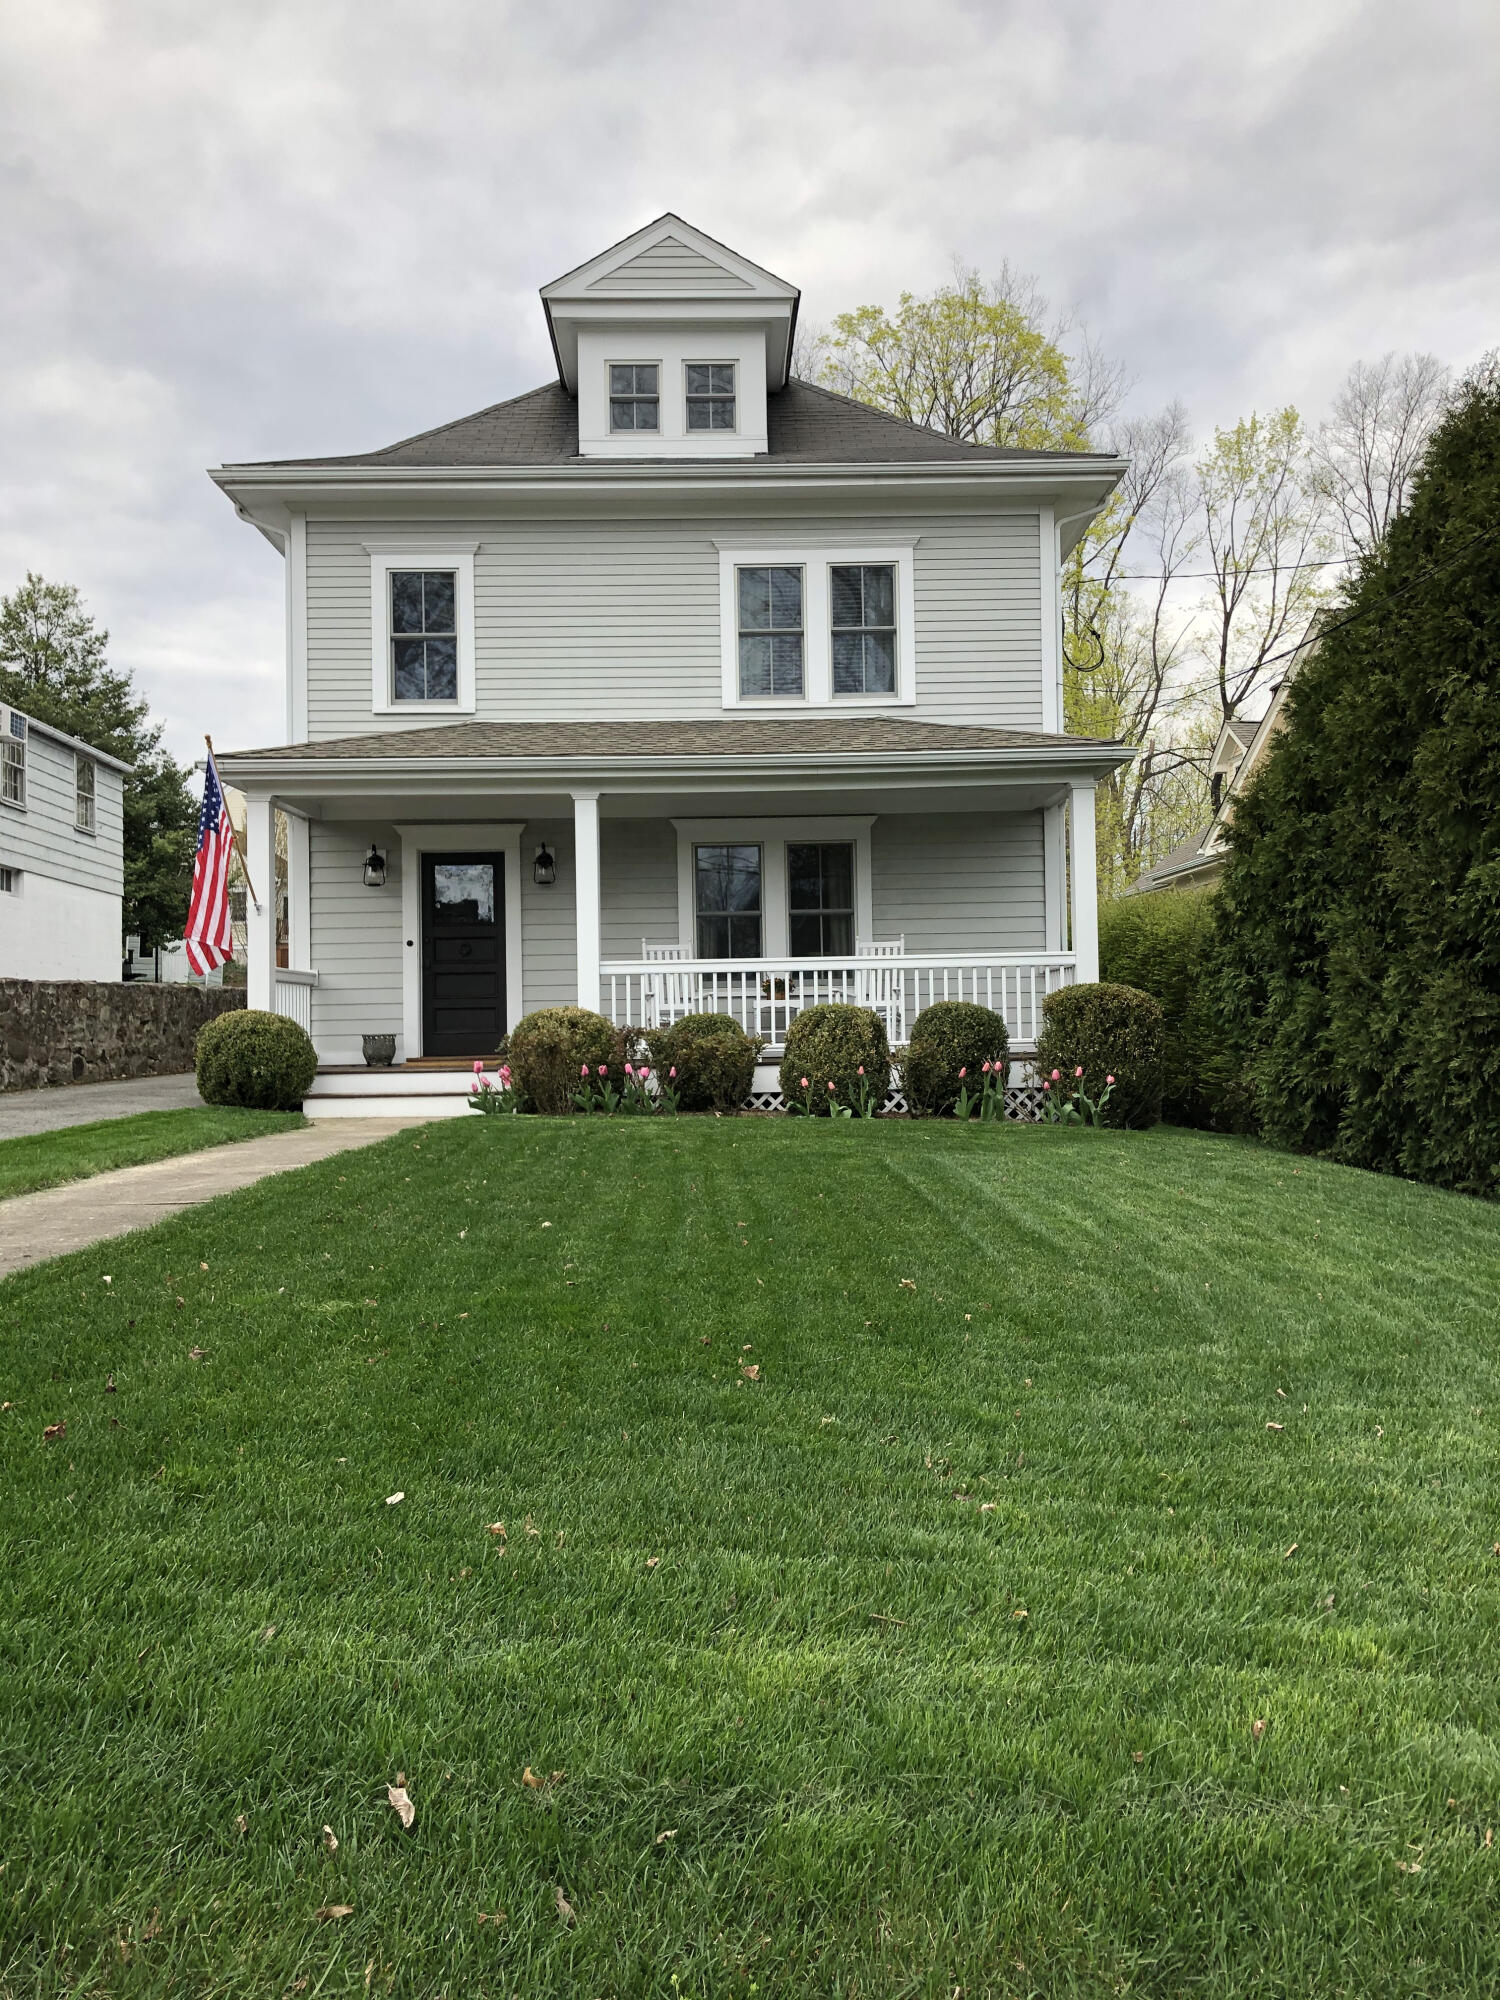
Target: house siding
959 882
44 839
356 937
616 619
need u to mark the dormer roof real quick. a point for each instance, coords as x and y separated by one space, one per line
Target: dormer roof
670 271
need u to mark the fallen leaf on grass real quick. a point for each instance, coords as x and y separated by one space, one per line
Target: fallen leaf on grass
1410 1867
1020 1612
109 1386
1290 1552
906 1284
1258 1728
401 1804
496 1917
394 1499
196 1354
652 1561
496 1528
564 1907
153 1925
752 1373
529 1777
330 1840
988 1506
667 1833
54 1432
332 1912
1138 1756
242 1823
1275 1427
268 1633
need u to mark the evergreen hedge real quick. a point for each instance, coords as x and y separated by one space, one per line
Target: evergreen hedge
1106 1031
255 1059
548 1048
830 1044
949 1036
1162 944
1358 923
714 1059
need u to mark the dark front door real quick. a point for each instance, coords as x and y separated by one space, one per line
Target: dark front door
463 954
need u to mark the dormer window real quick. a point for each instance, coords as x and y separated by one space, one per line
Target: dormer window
634 396
710 395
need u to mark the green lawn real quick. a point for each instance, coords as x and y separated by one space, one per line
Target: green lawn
934 1660
47 1159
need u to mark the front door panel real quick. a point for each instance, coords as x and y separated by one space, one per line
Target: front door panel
463 954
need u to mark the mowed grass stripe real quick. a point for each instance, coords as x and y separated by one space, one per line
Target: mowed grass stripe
777 1622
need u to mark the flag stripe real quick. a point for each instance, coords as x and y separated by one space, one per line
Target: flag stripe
208 934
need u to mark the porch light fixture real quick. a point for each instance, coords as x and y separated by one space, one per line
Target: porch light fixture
374 869
544 868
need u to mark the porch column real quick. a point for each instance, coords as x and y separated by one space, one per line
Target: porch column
1084 875
260 918
586 891
1055 875
298 892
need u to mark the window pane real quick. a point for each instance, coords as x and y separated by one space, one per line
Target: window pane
804 931
721 414
848 663
786 599
621 381
645 416
847 596
786 663
463 892
755 599
838 934
410 681
713 937
442 669
645 379
744 937
439 595
406 600
880 594
880 663
804 876
838 875
698 416
698 378
755 665
622 416
728 878
721 378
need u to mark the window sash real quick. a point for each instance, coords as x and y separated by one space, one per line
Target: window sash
13 770
820 898
422 625
863 628
83 795
634 396
770 600
728 899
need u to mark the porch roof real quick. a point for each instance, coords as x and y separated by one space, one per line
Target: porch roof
870 741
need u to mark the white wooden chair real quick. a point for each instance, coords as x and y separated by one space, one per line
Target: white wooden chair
882 986
667 995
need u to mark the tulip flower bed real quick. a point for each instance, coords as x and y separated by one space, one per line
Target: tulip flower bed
580 1557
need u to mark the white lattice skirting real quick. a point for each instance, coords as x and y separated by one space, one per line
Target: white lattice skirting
1023 1103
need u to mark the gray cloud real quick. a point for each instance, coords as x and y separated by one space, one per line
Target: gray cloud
268 228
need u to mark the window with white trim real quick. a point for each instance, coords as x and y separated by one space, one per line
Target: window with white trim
424 634
13 764
863 601
770 631
727 907
820 897
10 881
710 395
634 396
84 781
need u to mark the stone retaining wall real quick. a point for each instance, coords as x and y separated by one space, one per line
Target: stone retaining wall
95 1031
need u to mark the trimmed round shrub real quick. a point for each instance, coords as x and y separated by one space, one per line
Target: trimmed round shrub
714 1059
548 1048
949 1036
262 1062
1106 1030
831 1044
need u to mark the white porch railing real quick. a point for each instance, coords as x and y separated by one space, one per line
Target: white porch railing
291 994
765 994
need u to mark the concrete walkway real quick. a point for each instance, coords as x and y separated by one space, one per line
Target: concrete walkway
61 1105
34 1227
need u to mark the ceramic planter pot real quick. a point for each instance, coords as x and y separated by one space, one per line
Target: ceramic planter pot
380 1050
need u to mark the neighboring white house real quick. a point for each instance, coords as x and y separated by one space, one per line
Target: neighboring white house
675 683
62 866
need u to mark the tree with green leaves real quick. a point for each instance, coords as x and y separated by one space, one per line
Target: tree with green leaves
1358 926
54 666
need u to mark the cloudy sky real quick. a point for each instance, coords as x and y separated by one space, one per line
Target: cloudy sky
268 227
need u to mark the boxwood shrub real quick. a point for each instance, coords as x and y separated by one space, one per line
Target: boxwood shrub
1107 1030
260 1061
949 1036
714 1059
548 1048
830 1044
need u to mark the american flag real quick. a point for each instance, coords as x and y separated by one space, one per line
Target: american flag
207 933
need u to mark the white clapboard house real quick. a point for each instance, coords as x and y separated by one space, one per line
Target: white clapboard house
674 684
62 854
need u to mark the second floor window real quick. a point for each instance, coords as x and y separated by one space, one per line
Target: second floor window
13 766
864 628
634 396
424 635
770 619
83 795
710 395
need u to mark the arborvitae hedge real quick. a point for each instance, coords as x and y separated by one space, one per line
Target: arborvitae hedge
1358 919
1162 943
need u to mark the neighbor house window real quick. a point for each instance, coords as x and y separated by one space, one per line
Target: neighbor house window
864 628
10 881
727 898
424 635
710 395
83 794
820 898
770 625
13 763
634 396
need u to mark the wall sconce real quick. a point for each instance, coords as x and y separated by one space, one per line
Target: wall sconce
544 868
374 869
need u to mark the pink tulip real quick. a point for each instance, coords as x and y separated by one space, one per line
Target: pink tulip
643 1072
479 1069
1046 1086
1079 1070
584 1071
672 1072
1057 1076
628 1070
1109 1079
604 1069
861 1069
962 1074
804 1083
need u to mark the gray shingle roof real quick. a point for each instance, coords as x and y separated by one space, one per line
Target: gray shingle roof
805 424
734 736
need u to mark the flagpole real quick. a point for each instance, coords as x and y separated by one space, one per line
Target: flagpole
239 845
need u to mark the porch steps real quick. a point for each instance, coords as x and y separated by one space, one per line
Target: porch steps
402 1091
